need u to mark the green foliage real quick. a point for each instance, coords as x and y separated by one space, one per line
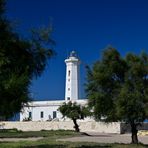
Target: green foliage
73 110
14 133
103 84
20 61
132 104
117 88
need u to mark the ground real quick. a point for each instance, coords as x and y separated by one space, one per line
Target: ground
65 139
106 138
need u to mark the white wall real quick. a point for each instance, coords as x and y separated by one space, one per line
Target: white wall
36 107
89 126
36 113
47 107
47 111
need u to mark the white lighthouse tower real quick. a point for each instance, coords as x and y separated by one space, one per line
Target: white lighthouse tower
48 110
72 77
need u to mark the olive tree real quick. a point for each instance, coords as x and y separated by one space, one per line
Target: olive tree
74 111
117 88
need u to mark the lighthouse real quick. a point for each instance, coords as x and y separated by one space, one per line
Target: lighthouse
48 110
72 77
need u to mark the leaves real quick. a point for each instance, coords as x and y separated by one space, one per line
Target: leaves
117 88
74 110
20 61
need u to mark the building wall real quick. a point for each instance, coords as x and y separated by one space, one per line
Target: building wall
36 107
36 113
47 107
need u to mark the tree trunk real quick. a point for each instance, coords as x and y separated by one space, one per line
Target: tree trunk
76 126
134 133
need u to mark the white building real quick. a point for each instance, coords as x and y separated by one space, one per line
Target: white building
48 110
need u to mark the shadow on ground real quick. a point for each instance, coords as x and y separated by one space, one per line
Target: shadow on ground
86 134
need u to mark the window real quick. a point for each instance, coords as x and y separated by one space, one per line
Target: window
68 80
68 89
68 98
42 114
54 114
69 73
30 115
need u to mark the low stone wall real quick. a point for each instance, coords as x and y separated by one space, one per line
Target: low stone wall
85 126
100 127
125 128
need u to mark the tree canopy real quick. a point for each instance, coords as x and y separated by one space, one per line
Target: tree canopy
20 61
117 88
74 111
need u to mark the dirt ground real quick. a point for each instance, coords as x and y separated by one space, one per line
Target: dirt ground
91 137
106 138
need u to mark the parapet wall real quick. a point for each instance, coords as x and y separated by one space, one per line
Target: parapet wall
85 126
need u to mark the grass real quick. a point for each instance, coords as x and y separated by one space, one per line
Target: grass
13 133
49 140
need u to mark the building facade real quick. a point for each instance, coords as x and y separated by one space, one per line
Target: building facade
48 110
